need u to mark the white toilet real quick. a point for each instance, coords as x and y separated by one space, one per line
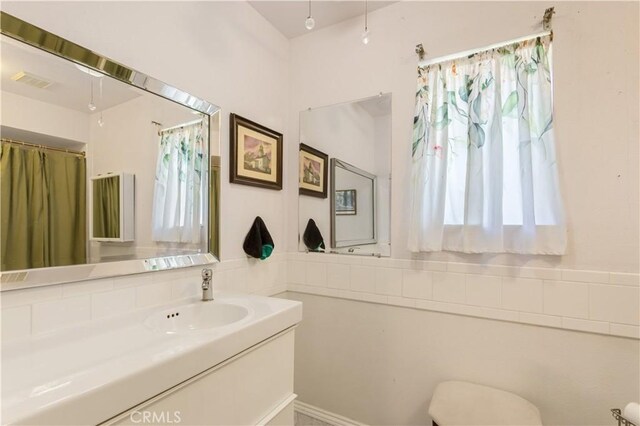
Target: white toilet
464 403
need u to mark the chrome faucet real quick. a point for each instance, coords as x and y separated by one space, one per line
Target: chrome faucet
207 285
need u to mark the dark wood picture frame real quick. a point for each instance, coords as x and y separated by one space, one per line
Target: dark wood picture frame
235 176
325 172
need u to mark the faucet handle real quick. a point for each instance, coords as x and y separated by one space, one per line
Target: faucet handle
207 286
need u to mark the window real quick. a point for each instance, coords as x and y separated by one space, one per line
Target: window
484 173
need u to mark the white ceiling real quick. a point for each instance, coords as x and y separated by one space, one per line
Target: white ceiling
289 16
71 87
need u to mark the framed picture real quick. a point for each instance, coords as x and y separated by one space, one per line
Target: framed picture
313 172
256 154
346 202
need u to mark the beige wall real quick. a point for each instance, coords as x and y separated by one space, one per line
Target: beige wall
379 364
28 114
596 104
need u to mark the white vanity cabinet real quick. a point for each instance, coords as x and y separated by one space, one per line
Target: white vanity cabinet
128 369
254 387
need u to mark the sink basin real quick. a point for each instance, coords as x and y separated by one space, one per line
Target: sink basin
196 316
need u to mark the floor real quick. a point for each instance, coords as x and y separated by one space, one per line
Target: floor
304 420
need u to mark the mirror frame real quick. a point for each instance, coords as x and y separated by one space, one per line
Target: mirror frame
374 179
39 38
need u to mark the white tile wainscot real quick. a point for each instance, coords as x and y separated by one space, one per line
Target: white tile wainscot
43 309
588 301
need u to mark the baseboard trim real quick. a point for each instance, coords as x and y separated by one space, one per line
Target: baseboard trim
324 415
278 409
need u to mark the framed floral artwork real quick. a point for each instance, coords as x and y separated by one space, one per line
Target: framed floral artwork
313 172
256 154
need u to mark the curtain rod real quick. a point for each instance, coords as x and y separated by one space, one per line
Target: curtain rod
464 54
50 148
178 126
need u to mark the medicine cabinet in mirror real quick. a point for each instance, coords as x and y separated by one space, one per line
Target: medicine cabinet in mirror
355 138
104 170
112 207
353 206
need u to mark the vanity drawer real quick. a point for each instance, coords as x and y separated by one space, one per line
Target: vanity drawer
253 387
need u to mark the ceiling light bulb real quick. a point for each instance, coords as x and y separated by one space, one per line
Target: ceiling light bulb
309 23
100 121
89 71
91 106
366 36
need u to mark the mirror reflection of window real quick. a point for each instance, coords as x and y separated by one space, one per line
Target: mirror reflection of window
179 199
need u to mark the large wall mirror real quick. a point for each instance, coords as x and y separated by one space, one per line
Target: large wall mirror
104 170
352 216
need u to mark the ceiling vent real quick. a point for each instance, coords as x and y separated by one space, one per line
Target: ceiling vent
31 79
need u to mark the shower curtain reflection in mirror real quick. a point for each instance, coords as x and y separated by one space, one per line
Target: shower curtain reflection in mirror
43 207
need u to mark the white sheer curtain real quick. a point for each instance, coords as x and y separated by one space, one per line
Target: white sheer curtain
179 194
484 172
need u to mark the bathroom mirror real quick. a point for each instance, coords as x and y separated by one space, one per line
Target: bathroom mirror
355 139
104 170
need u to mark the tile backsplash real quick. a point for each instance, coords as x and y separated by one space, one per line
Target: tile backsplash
41 309
591 301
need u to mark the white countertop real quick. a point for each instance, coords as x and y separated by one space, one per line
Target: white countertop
101 368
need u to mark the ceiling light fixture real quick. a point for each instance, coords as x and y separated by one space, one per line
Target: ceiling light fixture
92 105
101 120
309 23
365 35
89 71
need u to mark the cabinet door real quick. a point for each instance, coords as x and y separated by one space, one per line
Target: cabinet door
244 391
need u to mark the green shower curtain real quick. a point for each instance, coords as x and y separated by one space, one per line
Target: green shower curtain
42 208
106 207
214 206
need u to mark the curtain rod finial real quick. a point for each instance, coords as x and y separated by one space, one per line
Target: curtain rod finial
546 19
420 51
